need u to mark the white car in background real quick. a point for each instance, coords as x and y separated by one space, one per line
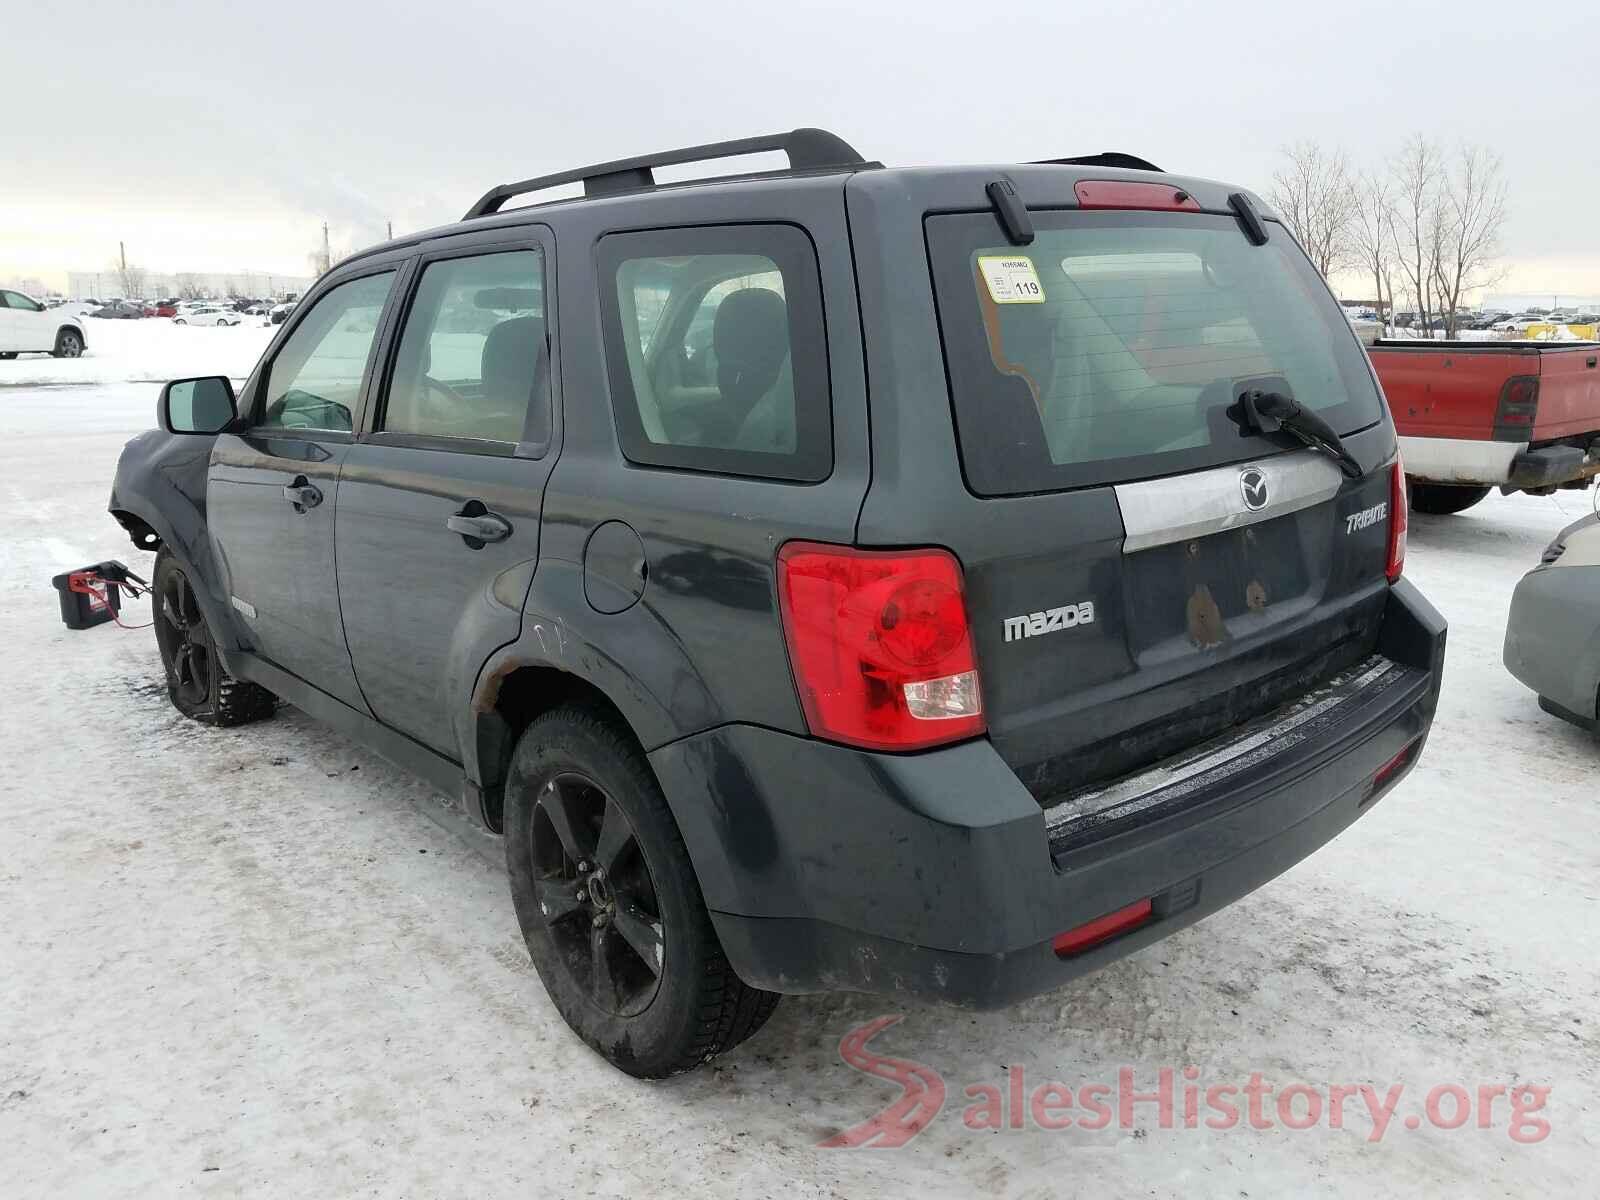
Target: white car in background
1520 324
207 314
28 327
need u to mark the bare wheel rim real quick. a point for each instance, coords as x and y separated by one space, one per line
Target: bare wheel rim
184 642
596 894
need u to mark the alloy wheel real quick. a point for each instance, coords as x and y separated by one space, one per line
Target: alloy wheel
186 644
596 894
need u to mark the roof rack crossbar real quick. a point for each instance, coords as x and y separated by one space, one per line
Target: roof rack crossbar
808 150
1106 158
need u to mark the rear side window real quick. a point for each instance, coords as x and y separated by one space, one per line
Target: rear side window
716 350
1109 348
473 353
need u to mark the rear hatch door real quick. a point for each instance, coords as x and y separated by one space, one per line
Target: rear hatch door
1144 573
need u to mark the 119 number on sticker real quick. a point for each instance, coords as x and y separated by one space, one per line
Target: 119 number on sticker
1011 280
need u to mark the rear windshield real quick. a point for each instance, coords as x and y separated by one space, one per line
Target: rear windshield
1108 348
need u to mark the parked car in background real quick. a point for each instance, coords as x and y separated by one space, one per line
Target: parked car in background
28 327
1520 324
1553 631
258 308
279 313
1002 588
119 310
207 314
1368 328
161 308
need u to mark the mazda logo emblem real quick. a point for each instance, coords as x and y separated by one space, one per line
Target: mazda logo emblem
1253 486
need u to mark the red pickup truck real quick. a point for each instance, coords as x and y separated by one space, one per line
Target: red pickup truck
1520 416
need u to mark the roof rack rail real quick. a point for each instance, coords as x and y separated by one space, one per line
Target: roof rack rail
808 150
1106 158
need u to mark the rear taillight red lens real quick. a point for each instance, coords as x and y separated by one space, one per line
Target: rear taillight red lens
1399 520
1517 409
880 645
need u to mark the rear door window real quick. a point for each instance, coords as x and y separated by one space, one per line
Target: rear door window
473 361
1109 348
716 352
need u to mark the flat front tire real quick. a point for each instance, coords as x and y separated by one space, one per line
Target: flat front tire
198 685
609 904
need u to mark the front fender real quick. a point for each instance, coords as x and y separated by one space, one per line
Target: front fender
161 482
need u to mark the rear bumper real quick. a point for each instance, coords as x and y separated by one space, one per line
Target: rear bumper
1459 460
934 874
1494 464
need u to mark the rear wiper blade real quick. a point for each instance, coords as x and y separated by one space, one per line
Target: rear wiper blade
1268 412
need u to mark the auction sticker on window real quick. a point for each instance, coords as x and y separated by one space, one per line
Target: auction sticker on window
1011 280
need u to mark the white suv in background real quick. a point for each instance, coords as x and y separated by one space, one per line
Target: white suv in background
28 327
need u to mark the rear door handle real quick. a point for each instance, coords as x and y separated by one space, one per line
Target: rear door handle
301 494
477 525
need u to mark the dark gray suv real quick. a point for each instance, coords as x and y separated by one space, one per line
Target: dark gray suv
937 581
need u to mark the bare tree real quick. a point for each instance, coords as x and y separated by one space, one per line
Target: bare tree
1472 213
188 287
1371 238
1418 212
1313 193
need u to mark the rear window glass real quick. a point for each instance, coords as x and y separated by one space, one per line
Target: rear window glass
1109 348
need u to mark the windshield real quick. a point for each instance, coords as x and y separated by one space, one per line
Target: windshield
1109 347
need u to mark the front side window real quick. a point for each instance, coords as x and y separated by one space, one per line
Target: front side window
473 359
314 382
20 302
1110 347
717 352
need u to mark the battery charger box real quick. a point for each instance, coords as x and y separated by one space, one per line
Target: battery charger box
80 609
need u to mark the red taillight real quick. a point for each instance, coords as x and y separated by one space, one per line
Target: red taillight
1517 409
1399 519
880 646
1119 193
1102 929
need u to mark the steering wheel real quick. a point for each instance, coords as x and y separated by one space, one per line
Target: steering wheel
440 385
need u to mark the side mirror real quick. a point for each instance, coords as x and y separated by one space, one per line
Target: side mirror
200 406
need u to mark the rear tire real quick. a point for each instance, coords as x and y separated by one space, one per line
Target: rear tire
609 904
198 685
1444 499
179 321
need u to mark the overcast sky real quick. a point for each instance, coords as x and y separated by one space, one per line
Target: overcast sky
218 136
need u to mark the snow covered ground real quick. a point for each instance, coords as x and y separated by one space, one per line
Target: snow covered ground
247 962
152 349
